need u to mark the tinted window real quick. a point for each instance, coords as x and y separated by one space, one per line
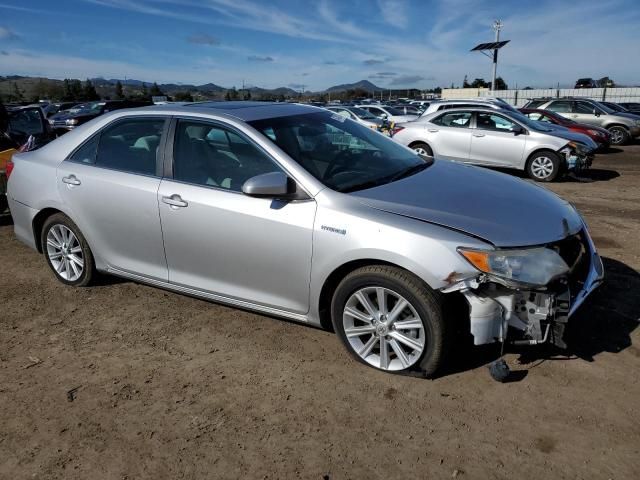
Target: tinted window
536 116
535 103
491 121
583 107
454 119
561 106
87 152
344 156
27 122
131 146
207 154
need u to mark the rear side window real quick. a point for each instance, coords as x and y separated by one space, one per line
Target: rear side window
131 146
87 152
454 119
561 106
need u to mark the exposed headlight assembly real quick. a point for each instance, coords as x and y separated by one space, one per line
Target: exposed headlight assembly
532 266
72 121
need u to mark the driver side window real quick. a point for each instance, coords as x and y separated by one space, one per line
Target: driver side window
210 155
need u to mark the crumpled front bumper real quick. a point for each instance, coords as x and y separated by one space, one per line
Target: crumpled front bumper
539 315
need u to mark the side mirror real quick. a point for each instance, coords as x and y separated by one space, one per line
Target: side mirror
384 116
517 130
596 112
271 185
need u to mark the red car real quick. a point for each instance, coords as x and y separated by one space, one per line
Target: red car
599 135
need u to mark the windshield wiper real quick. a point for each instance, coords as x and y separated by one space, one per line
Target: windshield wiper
413 169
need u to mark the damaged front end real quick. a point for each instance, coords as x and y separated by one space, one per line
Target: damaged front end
532 290
577 156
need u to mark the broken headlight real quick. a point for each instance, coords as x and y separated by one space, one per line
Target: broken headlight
532 266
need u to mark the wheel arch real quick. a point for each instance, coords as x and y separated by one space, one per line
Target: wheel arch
38 223
333 280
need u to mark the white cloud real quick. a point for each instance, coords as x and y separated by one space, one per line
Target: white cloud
394 12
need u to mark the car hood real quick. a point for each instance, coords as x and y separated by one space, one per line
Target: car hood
496 207
573 136
627 115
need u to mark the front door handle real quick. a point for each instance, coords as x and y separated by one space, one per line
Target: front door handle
478 134
71 180
433 130
175 201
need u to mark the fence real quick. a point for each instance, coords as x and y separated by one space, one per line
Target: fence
519 97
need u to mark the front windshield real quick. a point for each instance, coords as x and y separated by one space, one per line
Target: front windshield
605 108
362 113
344 155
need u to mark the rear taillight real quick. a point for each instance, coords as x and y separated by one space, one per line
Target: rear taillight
396 130
9 168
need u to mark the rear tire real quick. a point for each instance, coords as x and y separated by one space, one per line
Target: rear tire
543 166
401 330
619 135
67 252
422 148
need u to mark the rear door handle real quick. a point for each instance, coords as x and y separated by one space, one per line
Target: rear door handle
478 134
175 201
71 180
433 130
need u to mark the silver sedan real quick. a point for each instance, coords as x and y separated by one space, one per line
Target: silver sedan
496 137
296 212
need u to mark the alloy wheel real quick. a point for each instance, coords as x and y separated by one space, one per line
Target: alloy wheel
383 328
65 252
542 167
617 136
421 151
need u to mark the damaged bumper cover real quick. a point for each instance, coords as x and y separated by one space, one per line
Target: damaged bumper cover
539 313
577 157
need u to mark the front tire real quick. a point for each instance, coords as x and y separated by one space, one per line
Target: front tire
389 319
66 251
619 135
543 166
422 148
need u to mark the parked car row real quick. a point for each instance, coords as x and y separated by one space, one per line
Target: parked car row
66 120
324 221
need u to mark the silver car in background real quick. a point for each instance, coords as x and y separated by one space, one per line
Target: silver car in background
359 115
498 138
623 126
297 212
390 114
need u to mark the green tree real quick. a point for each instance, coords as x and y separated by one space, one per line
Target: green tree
465 83
155 90
68 94
89 91
500 84
17 93
479 83
77 92
183 97
145 91
119 90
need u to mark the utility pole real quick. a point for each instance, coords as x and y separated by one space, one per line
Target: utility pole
497 26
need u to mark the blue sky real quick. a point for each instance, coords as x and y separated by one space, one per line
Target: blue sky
273 43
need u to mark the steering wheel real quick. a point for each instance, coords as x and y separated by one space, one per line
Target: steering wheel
338 161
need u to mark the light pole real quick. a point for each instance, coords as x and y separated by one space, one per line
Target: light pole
497 26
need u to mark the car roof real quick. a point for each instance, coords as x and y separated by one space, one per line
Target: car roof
242 110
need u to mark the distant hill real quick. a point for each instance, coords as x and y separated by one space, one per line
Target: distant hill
362 84
19 88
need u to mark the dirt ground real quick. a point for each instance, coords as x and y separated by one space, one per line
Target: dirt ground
166 386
